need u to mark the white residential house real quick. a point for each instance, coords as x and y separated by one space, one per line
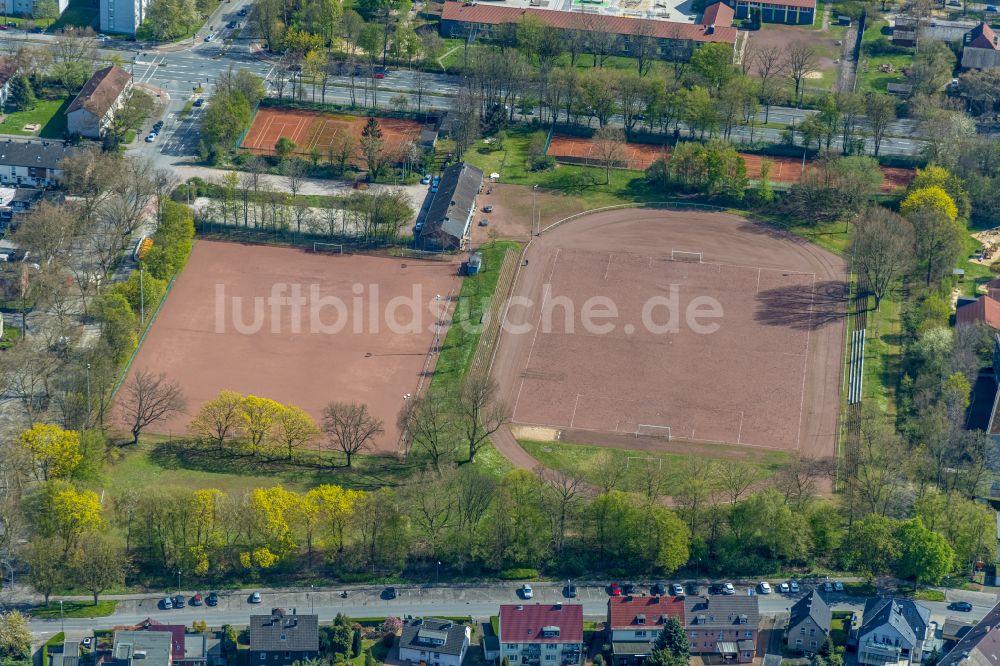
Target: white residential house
541 634
434 642
93 110
122 16
33 163
894 632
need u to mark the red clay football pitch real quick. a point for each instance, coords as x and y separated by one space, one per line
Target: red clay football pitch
764 372
230 322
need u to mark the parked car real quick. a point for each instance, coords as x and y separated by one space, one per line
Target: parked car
243 11
196 600
426 180
570 591
838 586
485 222
231 25
677 590
828 586
255 598
783 588
794 585
158 125
961 606
487 209
87 642
417 227
3 27
378 75
11 24
526 591
765 587
628 589
212 599
991 8
199 102
434 188
151 137
167 603
179 601
615 590
728 589
389 593
209 37
658 590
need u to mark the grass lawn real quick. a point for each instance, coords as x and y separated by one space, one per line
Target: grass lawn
49 113
840 627
869 76
79 13
925 594
582 460
74 609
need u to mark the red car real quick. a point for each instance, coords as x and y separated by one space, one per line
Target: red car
616 590
379 75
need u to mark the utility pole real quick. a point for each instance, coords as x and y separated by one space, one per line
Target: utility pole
88 394
142 315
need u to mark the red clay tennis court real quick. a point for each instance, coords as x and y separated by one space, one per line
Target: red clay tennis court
640 155
314 130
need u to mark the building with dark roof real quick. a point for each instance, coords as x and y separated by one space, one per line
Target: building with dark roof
635 622
789 12
979 646
981 48
93 110
905 31
449 217
434 642
675 41
280 638
722 626
185 649
33 163
70 655
808 624
541 634
893 631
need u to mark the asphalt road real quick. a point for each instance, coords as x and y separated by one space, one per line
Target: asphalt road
475 601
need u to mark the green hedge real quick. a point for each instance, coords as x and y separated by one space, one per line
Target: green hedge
522 573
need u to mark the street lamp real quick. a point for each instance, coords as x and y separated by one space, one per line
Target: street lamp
88 394
178 581
437 572
312 607
534 192
62 618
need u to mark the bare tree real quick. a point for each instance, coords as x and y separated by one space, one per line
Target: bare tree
882 248
565 490
644 48
609 145
800 61
770 65
427 423
350 427
149 399
736 479
880 109
608 471
480 410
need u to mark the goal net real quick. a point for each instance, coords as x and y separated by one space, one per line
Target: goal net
682 255
328 248
657 431
644 462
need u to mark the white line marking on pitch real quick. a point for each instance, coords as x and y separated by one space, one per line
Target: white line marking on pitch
607 269
739 435
758 280
545 294
805 365
575 405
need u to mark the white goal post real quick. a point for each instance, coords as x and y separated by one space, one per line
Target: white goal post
683 255
331 248
649 430
649 460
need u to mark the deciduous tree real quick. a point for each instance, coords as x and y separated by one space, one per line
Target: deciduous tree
350 428
149 399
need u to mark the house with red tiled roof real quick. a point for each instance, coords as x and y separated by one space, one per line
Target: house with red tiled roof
790 12
541 634
985 309
675 41
719 14
93 110
981 48
635 622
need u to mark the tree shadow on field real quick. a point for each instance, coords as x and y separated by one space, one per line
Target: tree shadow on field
801 307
